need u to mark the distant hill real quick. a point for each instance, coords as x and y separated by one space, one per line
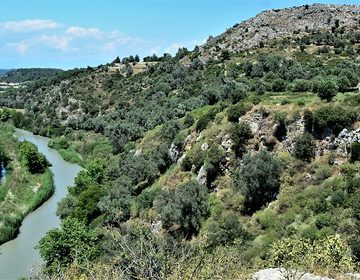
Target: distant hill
3 72
27 74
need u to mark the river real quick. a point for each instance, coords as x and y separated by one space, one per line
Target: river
18 256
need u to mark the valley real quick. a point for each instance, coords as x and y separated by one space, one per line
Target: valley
239 156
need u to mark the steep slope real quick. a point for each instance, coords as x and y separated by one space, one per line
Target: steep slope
212 163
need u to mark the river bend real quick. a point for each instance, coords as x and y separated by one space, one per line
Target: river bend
18 256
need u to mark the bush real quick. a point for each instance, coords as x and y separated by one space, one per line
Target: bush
203 121
188 120
73 240
335 118
32 159
194 157
325 89
258 180
278 85
236 111
225 230
240 134
305 147
300 85
214 156
330 254
184 208
308 121
355 152
280 131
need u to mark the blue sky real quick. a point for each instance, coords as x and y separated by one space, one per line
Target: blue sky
76 33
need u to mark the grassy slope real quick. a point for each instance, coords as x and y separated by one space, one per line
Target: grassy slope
22 192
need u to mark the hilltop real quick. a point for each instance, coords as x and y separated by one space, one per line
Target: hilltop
239 155
3 72
290 23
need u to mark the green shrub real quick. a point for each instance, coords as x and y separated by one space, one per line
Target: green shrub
203 121
258 180
300 85
335 118
184 208
355 152
188 120
240 134
280 131
305 147
225 230
236 111
325 89
32 159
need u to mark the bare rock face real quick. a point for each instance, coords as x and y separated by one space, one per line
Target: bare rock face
156 227
174 153
340 145
226 142
204 146
202 176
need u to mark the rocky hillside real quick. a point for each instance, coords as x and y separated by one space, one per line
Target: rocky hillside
211 168
286 23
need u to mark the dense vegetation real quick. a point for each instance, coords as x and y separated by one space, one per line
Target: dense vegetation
24 187
27 74
188 168
3 72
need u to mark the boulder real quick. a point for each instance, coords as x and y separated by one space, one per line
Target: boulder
174 152
281 274
202 176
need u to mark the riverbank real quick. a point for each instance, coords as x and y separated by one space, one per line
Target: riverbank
22 192
18 258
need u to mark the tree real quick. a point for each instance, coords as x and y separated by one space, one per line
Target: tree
225 230
258 180
278 85
325 89
308 120
240 134
305 147
117 60
280 129
72 241
32 159
116 205
184 208
355 152
203 121
236 111
81 203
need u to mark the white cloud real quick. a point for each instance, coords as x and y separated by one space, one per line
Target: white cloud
20 47
115 39
78 31
28 25
59 42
